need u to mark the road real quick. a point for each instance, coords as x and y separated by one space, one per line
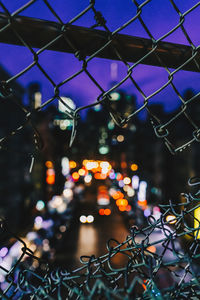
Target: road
90 239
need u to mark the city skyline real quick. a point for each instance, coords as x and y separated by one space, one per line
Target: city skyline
160 18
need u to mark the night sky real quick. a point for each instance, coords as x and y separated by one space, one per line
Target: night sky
159 16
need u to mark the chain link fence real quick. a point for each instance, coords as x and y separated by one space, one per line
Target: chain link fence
171 273
86 44
97 278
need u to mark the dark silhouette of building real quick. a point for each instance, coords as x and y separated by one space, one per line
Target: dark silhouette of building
14 158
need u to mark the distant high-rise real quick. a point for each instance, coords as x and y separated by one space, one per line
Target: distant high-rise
14 157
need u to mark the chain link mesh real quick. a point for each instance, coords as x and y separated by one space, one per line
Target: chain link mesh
142 271
13 30
98 278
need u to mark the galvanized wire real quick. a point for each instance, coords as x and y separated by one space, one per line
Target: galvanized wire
169 272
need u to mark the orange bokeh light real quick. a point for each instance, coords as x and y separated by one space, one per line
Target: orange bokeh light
107 211
49 164
75 176
103 194
95 170
123 165
144 286
121 202
100 176
50 179
134 167
122 208
142 203
72 164
102 188
50 176
119 177
118 195
128 208
101 211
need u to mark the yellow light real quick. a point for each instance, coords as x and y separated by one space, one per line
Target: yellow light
72 164
134 167
81 172
197 222
85 161
127 180
121 202
171 219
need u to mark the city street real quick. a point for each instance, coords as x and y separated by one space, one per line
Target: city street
90 239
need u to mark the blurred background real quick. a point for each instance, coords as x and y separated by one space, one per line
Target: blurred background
76 198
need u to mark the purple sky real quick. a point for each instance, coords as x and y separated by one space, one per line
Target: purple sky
159 16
